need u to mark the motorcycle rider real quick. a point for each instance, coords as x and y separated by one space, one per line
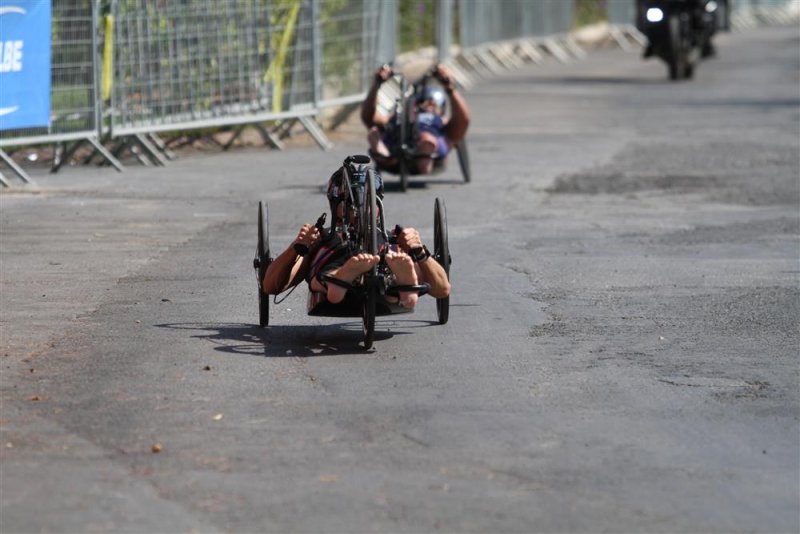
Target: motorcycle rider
703 16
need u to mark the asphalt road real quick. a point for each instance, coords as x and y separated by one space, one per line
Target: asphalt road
621 355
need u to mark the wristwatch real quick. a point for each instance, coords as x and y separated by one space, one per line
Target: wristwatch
419 254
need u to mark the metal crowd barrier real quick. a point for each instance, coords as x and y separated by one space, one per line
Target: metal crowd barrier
205 64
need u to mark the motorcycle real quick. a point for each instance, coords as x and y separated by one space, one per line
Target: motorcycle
679 31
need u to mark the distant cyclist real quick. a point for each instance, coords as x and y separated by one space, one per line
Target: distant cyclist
437 133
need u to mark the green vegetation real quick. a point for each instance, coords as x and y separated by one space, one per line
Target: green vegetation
590 12
416 24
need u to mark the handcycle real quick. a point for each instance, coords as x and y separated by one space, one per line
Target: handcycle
363 229
404 148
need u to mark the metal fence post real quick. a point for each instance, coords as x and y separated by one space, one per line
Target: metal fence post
387 32
96 67
316 54
444 24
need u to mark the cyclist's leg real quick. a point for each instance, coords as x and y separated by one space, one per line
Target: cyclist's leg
377 144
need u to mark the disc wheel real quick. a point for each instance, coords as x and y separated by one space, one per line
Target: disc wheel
441 253
370 244
262 261
463 160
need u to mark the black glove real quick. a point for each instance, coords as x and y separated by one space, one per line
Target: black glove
302 249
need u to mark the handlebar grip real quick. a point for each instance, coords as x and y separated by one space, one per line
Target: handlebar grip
419 289
395 232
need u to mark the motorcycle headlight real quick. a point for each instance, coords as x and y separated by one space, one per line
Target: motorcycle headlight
654 14
711 6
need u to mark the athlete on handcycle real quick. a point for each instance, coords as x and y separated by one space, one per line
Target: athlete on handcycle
321 257
437 133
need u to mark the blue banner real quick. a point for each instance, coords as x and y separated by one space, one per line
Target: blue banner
24 63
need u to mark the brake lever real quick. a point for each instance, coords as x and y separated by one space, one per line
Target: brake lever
396 232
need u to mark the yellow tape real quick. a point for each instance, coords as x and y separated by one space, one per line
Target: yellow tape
275 69
107 76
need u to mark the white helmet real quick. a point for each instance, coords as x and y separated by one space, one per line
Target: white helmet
434 94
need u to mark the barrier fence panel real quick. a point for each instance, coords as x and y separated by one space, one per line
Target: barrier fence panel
195 64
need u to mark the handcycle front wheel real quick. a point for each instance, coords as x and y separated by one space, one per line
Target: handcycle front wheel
441 253
369 220
261 262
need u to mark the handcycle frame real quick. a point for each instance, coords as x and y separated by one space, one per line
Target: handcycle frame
404 151
359 228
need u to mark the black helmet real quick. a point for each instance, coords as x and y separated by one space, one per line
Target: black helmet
336 193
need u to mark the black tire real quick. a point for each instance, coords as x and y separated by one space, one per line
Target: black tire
262 262
370 245
403 169
723 19
406 140
441 253
463 160
677 49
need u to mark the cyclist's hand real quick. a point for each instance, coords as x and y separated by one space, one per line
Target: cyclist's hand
308 235
383 73
445 76
409 238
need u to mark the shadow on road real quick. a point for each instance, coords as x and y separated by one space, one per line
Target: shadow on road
304 341
391 183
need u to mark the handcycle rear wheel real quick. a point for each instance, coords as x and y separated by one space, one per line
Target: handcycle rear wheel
441 253
370 244
463 160
262 261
